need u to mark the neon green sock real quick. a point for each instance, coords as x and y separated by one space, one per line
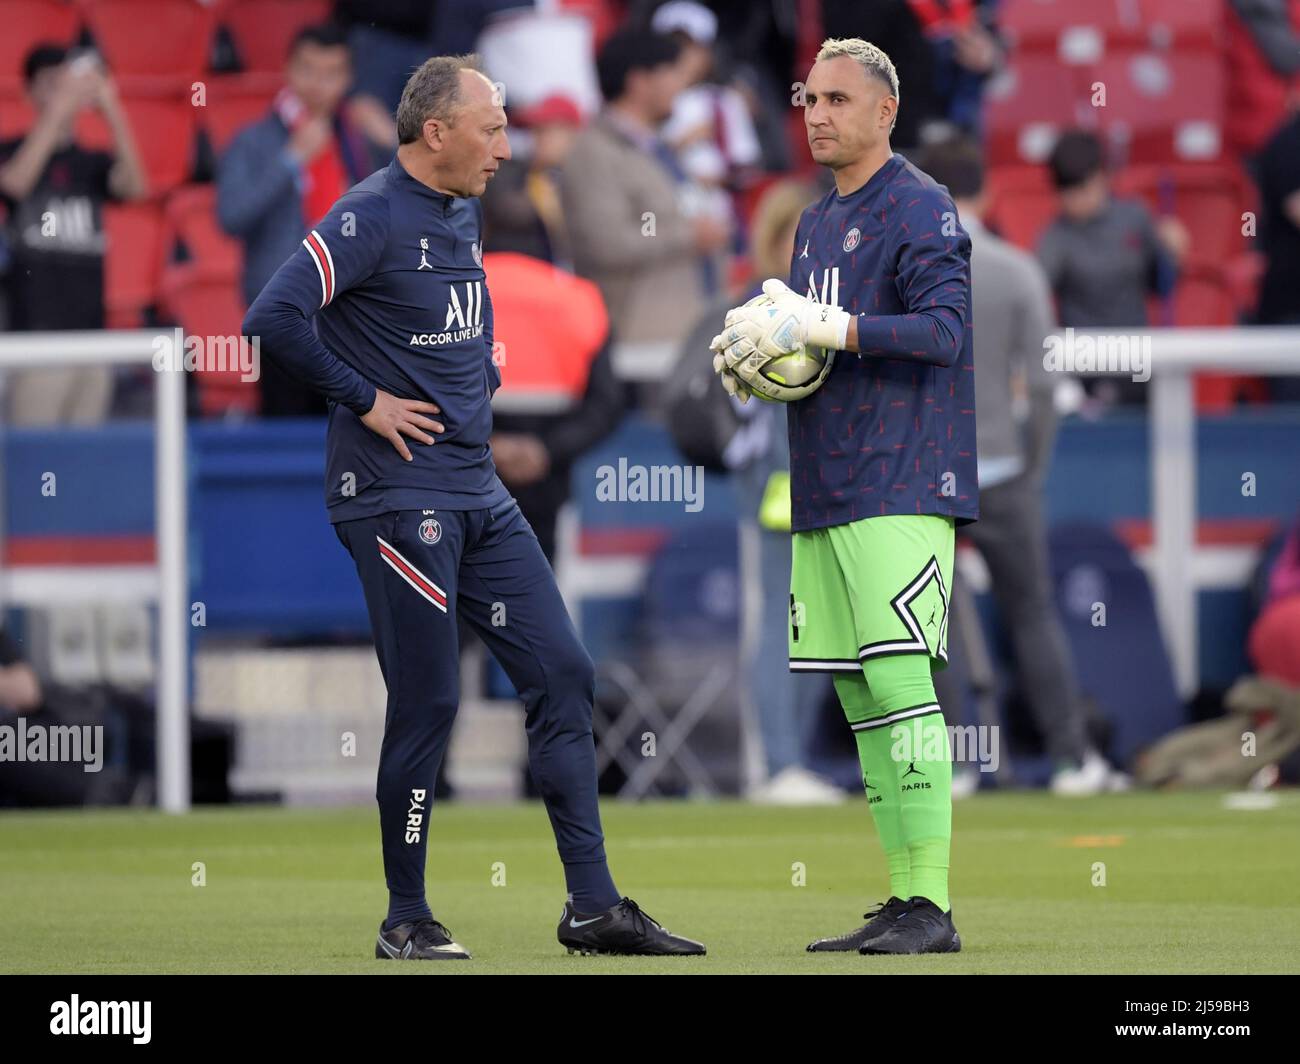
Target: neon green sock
915 738
879 778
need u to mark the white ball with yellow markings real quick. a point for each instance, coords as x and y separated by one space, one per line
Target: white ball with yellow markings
758 346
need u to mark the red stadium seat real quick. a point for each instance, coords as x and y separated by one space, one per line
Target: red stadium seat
1243 276
203 300
16 116
1029 104
263 29
1071 27
207 304
1040 24
164 134
235 101
1021 203
28 23
132 261
1202 298
191 222
164 39
1208 198
1183 24
1162 107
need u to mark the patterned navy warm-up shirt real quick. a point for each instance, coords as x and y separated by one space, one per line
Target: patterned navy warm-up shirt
892 430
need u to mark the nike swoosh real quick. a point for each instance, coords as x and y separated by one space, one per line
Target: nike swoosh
583 923
392 951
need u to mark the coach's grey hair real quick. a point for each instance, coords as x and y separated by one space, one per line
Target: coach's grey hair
433 91
872 59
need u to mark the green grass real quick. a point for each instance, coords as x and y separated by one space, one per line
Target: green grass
1190 887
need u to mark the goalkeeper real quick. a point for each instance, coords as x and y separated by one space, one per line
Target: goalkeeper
882 460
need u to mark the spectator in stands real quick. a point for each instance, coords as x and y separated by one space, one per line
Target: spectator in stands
20 688
1279 185
551 341
54 192
786 704
1274 641
944 52
522 211
1262 54
710 128
628 227
388 39
1104 255
32 783
1015 432
1278 172
283 172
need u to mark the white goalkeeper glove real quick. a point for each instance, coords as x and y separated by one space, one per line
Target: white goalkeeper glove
774 324
815 324
732 384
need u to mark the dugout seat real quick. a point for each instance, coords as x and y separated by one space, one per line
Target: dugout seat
125 634
1123 665
682 686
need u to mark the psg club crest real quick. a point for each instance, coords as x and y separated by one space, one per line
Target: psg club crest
430 531
852 238
477 252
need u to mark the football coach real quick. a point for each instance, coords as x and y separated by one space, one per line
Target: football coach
392 280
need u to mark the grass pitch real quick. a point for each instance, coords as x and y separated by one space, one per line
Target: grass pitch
1189 886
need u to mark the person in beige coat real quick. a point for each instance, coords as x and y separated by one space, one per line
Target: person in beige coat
626 204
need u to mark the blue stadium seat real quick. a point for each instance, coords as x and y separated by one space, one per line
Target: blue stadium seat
1122 665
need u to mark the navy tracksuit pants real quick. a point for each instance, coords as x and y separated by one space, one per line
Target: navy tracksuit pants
419 569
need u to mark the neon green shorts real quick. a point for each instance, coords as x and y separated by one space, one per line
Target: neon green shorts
870 588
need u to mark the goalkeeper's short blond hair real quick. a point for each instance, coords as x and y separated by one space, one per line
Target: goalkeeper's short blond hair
874 61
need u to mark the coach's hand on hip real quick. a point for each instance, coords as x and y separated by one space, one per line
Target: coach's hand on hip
392 418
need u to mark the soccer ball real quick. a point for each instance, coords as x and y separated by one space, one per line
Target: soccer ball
793 376
785 378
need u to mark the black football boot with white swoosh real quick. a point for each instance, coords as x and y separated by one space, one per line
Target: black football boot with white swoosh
419 940
624 930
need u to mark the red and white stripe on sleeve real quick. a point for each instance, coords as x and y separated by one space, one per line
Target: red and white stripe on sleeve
320 255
